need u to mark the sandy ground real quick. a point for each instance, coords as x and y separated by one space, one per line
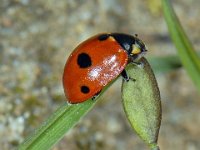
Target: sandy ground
36 37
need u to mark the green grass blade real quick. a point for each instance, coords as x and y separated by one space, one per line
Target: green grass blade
186 52
56 126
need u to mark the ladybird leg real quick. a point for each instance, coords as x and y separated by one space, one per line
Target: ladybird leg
126 77
96 95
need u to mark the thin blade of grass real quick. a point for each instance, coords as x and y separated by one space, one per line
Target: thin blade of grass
56 126
186 52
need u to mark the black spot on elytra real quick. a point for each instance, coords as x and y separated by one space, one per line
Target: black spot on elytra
85 89
103 37
84 60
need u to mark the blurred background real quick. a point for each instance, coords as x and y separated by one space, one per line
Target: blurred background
36 37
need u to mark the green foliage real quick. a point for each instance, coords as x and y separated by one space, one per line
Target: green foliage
164 64
56 126
186 52
142 104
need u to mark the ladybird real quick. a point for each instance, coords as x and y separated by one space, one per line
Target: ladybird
97 61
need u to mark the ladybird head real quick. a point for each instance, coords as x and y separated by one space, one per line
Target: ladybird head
138 49
132 44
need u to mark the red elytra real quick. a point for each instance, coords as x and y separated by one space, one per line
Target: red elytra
96 62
